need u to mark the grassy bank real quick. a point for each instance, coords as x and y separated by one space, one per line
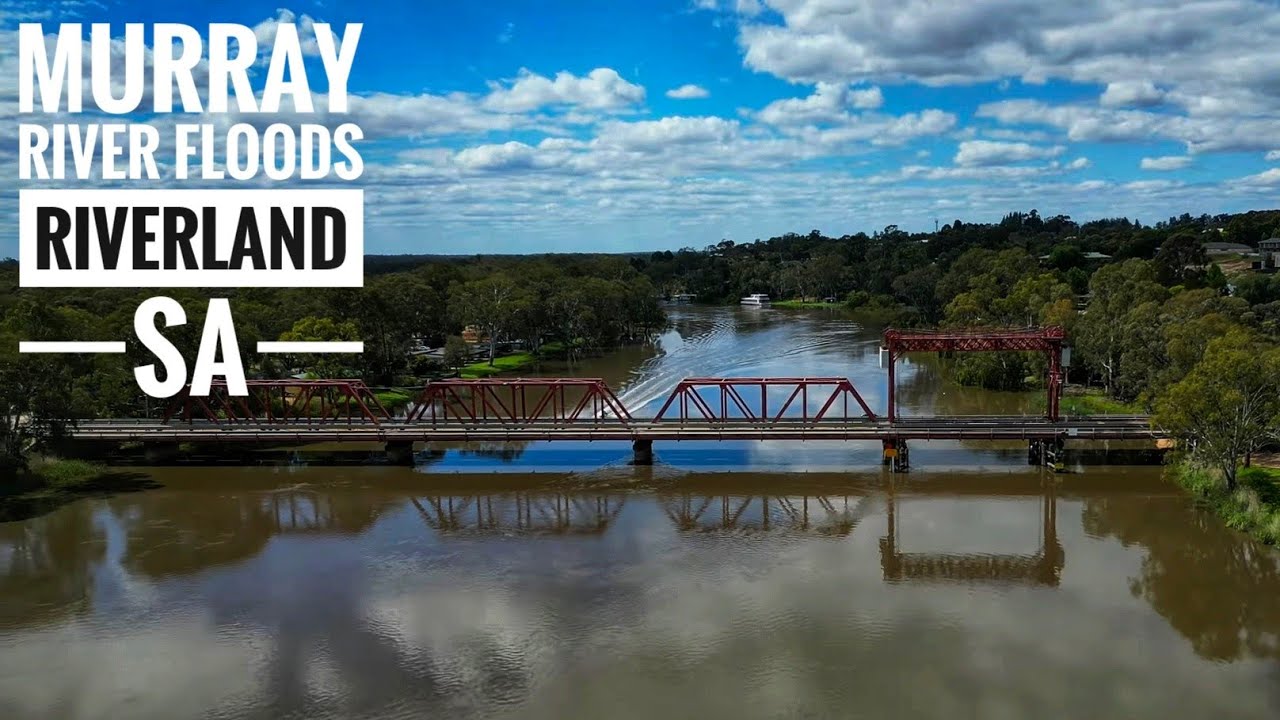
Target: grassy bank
1097 403
50 483
504 364
393 400
807 305
1254 507
513 362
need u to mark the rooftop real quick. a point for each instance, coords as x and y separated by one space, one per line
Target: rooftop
1214 248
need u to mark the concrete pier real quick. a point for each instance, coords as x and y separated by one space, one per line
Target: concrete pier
1049 453
160 452
896 455
400 452
642 452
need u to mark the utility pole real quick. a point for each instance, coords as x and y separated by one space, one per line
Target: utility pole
935 226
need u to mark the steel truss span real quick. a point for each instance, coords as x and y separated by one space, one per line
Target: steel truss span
518 401
726 399
530 409
280 401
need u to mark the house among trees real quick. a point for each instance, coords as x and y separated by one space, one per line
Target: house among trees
1226 248
1270 250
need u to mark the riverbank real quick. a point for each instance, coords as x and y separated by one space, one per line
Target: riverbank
394 400
50 483
501 364
808 305
1254 506
515 362
1090 401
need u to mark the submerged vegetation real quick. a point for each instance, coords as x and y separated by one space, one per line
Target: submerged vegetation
48 483
1253 506
1091 402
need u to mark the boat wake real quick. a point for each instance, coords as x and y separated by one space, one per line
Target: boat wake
727 342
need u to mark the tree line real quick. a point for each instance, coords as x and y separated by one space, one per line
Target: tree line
1151 318
1154 321
581 303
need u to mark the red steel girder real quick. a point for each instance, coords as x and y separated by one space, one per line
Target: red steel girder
834 393
315 401
518 401
971 340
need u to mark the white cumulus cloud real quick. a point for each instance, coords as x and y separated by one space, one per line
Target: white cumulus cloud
1196 49
829 103
688 92
1131 94
600 89
1167 162
988 152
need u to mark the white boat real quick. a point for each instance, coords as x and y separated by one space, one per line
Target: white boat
756 299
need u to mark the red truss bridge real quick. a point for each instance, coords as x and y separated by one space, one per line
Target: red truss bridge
551 409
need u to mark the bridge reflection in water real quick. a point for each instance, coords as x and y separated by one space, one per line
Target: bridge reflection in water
523 513
1043 567
833 515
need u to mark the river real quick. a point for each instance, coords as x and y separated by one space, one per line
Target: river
728 580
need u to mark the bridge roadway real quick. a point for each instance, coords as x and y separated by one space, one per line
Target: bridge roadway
1109 427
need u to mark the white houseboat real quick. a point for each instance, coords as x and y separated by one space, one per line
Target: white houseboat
756 299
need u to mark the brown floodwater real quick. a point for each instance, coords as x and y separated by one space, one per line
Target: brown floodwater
728 580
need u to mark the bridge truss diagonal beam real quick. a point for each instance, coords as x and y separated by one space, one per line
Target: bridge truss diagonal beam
519 401
725 399
272 401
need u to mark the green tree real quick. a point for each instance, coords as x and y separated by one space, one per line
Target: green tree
1180 258
456 352
36 391
1101 334
1228 405
388 312
492 304
318 329
917 288
1065 256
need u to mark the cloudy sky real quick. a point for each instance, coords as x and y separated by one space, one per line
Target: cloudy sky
510 126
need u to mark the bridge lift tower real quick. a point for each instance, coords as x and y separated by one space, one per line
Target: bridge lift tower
1051 341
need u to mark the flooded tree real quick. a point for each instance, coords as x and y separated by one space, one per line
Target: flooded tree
1228 406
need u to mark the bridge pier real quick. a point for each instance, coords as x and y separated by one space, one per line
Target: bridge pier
896 455
400 452
1049 453
642 452
159 452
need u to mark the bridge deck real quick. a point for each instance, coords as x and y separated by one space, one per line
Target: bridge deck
933 428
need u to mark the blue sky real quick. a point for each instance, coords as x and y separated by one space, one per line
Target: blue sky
572 126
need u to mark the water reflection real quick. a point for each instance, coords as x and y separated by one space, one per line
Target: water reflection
383 592
1190 568
1043 567
819 514
47 564
520 513
177 534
